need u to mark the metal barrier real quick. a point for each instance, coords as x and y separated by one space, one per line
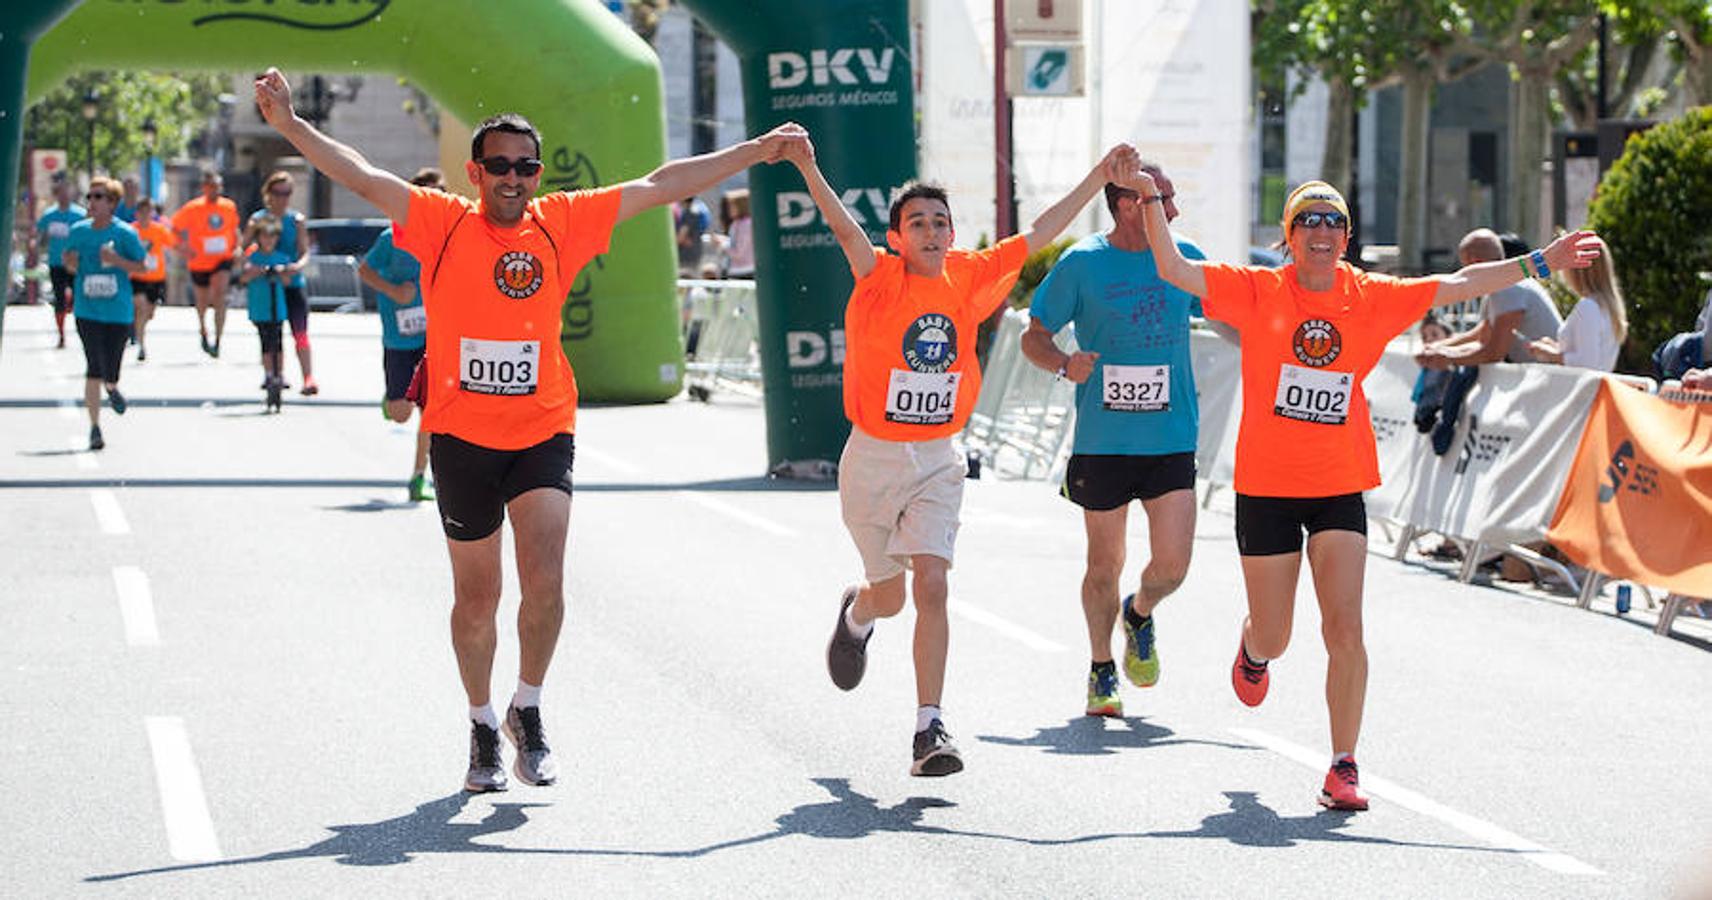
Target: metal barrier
1024 416
333 283
720 330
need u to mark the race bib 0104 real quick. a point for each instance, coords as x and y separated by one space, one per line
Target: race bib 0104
1135 388
101 286
1313 395
922 398
213 245
412 320
503 368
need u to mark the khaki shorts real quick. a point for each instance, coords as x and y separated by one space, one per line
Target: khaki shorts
900 498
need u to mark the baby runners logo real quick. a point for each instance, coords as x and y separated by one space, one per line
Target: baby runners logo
930 344
1317 343
518 275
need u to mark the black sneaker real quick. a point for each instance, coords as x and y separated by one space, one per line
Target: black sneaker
486 771
846 654
206 347
95 441
534 764
935 755
116 400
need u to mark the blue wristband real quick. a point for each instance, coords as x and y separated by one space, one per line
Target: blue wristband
1539 260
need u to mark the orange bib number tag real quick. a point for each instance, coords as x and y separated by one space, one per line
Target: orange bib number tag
504 368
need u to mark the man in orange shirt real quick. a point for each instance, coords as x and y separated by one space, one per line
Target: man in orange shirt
149 286
207 230
910 382
502 400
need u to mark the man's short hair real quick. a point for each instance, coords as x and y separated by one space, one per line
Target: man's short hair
429 177
910 191
510 123
209 175
1480 245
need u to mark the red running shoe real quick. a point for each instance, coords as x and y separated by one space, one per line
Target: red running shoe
1249 679
1343 787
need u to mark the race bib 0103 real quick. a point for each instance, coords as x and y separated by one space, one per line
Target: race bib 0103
503 368
922 398
213 245
1135 388
412 320
101 286
1313 395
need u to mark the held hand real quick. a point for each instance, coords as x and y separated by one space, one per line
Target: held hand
776 143
1541 350
1432 359
273 98
1080 367
1118 162
1575 250
799 153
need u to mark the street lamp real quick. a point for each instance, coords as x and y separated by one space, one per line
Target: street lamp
149 135
91 106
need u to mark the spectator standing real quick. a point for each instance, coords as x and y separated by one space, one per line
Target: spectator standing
690 220
739 234
1592 336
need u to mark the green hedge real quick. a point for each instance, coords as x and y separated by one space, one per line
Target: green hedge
1654 208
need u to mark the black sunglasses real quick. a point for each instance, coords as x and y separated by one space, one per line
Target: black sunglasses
96 195
1316 219
499 165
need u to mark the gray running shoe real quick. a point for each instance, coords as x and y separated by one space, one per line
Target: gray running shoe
534 764
935 755
846 654
486 771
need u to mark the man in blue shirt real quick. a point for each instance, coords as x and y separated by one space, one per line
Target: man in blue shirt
52 229
1136 423
103 253
395 275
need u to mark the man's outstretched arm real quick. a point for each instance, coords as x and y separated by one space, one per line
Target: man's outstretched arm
389 193
681 178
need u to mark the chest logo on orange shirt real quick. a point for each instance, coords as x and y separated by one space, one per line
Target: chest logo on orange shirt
215 221
1317 343
930 343
518 275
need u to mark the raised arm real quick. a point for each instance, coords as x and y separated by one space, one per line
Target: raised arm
1181 272
691 175
389 193
851 238
1575 250
1049 224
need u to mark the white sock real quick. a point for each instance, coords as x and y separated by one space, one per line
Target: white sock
1257 660
1340 757
484 715
924 716
858 631
527 695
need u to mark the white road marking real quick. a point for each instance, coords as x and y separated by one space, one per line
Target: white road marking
1003 626
136 606
1479 829
741 515
68 408
189 830
609 461
108 513
999 520
80 448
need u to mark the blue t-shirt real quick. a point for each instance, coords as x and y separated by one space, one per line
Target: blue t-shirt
402 327
56 224
266 294
103 294
125 212
288 226
1130 316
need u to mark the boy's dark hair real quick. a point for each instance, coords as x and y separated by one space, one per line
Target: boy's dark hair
510 123
910 191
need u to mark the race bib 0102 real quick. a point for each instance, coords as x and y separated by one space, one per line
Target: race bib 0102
503 368
1135 388
1313 395
213 245
412 320
922 398
101 286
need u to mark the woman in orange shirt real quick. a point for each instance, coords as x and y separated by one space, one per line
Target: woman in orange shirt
1311 331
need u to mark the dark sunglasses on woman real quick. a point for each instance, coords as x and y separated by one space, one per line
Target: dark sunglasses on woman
1316 219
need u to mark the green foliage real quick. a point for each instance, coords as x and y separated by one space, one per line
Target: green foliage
178 104
1652 209
1034 271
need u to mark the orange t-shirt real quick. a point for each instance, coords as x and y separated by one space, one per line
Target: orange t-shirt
158 237
1305 427
497 373
212 229
910 372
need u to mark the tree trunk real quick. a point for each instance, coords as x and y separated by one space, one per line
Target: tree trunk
1340 114
1530 117
1412 183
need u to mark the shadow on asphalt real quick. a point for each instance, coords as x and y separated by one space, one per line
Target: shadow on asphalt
847 816
1089 736
374 504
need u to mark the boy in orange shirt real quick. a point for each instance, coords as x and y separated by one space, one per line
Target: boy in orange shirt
149 286
910 382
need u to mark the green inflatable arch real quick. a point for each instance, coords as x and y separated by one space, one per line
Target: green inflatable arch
584 78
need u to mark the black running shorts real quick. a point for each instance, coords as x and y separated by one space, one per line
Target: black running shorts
1267 526
153 291
103 348
202 279
60 280
272 336
1100 482
297 311
400 367
473 483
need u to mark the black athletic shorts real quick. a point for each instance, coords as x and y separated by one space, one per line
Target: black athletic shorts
272 335
400 367
1266 526
103 348
201 279
153 291
60 280
1101 482
473 483
297 310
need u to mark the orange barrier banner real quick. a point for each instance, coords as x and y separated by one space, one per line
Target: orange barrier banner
1638 503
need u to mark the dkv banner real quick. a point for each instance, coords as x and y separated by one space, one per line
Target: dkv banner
1638 504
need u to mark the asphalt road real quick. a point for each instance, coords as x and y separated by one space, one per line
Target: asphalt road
227 673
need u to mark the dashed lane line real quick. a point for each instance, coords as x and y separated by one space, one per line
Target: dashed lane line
108 513
136 606
184 807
